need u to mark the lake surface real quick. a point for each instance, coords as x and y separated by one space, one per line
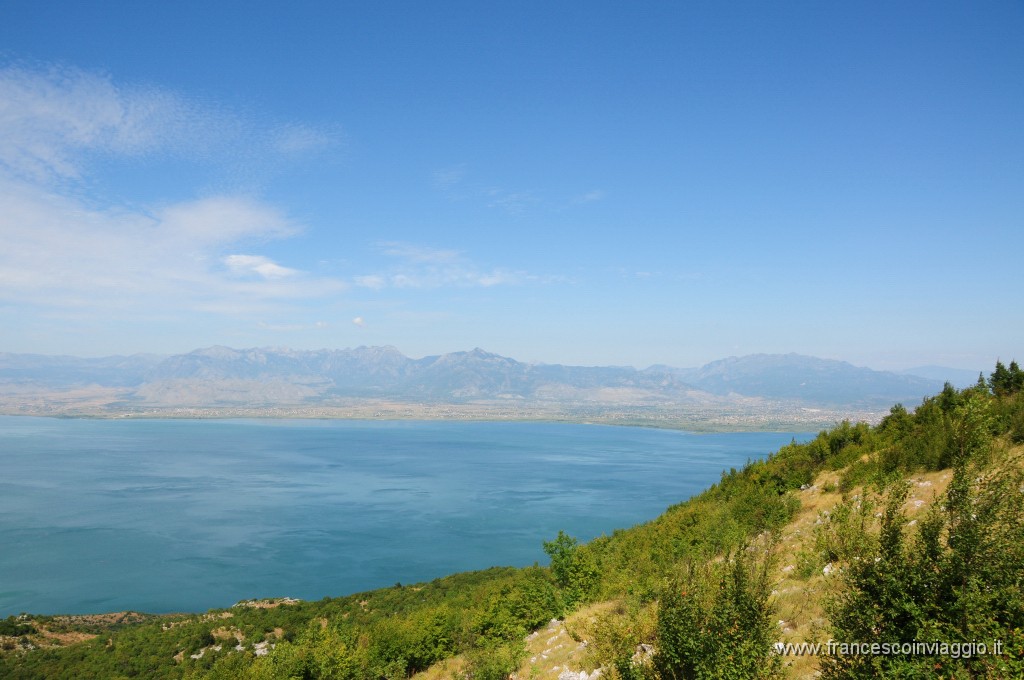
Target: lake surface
187 515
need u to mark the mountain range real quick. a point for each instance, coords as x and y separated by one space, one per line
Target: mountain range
226 377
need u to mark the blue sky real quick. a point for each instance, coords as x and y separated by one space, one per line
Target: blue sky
585 183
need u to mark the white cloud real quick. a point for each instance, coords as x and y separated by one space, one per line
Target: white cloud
257 264
224 219
60 253
499 277
65 256
372 281
70 255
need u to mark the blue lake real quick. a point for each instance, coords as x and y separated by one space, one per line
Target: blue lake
187 515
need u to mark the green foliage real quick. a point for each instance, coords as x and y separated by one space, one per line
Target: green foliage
742 505
846 443
493 662
227 667
944 429
574 569
1007 381
1008 416
716 622
320 652
959 580
615 636
516 608
14 628
841 537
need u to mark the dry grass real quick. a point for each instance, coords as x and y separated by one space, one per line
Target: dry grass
444 670
549 651
60 631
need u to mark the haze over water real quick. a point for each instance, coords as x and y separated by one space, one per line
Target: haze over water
187 515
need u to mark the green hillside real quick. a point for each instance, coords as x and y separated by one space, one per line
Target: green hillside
910 531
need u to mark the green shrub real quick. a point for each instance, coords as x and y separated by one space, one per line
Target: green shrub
958 581
716 622
493 662
573 568
13 628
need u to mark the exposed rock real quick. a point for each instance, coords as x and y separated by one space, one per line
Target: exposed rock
581 675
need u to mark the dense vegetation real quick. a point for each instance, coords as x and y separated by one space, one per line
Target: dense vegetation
693 584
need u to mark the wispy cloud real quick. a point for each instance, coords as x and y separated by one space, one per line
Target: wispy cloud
64 256
295 140
293 327
453 182
372 281
62 252
50 117
589 197
54 121
655 275
447 179
424 267
510 201
418 254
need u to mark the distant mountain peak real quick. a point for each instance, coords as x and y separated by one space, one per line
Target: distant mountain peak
216 352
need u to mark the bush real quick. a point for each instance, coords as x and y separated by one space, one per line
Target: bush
959 581
716 622
573 568
11 627
493 662
613 638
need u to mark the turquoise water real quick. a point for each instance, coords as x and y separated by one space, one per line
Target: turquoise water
187 515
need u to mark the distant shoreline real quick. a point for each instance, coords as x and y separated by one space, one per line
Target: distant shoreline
770 418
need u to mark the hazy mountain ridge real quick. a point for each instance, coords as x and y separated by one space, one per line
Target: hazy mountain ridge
958 377
115 371
224 376
809 379
384 372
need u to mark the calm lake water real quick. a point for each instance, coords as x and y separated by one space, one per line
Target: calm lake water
187 515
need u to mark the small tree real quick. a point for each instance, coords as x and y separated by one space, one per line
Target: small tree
574 570
716 622
1006 381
